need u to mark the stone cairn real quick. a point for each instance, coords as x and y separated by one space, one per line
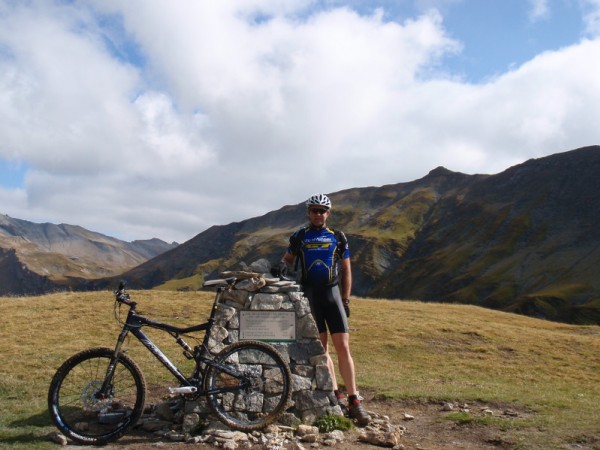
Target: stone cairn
312 387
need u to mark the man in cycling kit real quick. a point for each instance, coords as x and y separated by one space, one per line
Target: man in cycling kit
327 281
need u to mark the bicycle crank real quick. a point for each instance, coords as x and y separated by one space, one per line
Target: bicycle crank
183 390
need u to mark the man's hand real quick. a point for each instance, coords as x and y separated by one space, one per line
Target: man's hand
346 303
279 271
282 268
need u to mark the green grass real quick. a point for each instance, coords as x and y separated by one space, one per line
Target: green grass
458 352
176 284
402 350
329 423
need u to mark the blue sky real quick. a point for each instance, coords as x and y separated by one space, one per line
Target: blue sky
143 119
498 36
12 174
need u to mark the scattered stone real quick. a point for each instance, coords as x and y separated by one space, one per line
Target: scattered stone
448 407
57 438
262 266
303 430
196 440
190 423
408 417
336 435
380 432
175 436
309 438
381 438
251 284
164 412
229 445
153 424
289 419
240 274
267 302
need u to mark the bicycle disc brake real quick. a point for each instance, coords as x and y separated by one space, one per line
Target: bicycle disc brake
90 399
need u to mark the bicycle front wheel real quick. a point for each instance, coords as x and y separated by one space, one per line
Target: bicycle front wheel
248 385
81 410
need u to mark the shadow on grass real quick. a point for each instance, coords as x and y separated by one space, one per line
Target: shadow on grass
25 438
38 420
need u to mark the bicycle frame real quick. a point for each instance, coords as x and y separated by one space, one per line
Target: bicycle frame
134 324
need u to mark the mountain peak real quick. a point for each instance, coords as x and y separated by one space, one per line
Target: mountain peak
440 171
45 256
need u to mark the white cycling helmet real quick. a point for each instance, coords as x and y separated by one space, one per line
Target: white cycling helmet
318 200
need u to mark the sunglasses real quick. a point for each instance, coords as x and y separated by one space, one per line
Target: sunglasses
318 210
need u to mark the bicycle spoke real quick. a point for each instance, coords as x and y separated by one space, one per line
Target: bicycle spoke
82 411
259 391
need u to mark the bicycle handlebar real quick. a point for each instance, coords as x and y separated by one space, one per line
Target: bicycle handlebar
121 296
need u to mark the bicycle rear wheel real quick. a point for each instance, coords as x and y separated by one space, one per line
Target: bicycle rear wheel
256 385
78 408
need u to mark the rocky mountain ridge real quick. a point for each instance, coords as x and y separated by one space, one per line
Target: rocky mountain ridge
38 258
524 240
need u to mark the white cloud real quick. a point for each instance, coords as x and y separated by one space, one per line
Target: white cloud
540 10
592 17
238 108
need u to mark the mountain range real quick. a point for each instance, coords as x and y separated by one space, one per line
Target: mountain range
525 240
39 258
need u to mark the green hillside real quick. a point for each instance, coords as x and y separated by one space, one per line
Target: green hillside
525 240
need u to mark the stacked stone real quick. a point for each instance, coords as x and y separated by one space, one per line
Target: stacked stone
312 386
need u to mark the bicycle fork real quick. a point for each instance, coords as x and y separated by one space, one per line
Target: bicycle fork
106 389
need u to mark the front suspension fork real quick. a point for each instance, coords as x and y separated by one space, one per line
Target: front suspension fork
106 389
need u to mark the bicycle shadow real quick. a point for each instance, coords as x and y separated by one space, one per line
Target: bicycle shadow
29 438
42 420
26 438
39 420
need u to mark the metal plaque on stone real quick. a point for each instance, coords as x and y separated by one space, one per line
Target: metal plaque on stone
268 325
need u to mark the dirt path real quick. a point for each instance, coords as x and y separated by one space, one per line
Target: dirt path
427 428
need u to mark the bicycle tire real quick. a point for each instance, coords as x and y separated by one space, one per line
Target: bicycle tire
83 417
261 403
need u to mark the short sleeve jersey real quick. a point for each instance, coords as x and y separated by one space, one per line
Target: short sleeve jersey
319 252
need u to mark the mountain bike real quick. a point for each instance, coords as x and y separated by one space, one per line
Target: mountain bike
98 394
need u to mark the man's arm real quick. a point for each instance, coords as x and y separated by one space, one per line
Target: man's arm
286 261
288 258
346 278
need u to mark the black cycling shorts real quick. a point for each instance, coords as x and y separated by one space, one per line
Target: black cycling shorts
327 308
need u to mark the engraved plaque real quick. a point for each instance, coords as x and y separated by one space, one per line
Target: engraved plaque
268 325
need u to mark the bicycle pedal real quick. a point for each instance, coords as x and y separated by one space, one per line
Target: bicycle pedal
183 390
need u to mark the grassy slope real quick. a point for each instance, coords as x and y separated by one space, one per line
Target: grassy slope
402 350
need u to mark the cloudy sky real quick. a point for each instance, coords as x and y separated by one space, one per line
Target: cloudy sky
161 118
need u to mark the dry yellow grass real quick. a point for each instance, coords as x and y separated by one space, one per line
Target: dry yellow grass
402 349
466 353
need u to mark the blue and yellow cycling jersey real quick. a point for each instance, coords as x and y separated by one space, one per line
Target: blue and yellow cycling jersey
320 252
